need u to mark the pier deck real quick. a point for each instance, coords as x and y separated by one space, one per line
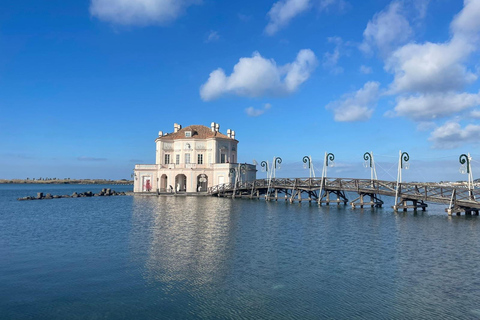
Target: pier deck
411 195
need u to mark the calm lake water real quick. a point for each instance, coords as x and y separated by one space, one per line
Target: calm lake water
140 257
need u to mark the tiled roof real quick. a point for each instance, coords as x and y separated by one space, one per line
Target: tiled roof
198 132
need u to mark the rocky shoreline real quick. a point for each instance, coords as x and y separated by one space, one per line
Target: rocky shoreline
68 181
106 192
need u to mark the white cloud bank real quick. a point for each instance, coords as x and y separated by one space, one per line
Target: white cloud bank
139 12
357 106
451 135
435 105
430 76
256 76
283 11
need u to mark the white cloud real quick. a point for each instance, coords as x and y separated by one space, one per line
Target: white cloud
387 30
436 105
475 114
212 36
467 22
452 135
356 106
256 76
283 11
330 59
430 67
139 12
252 112
365 70
438 67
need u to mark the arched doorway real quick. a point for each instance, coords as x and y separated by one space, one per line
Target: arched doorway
202 183
180 183
163 183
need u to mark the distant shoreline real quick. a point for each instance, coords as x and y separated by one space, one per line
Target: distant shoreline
67 181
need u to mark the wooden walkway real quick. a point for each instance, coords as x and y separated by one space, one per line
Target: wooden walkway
333 190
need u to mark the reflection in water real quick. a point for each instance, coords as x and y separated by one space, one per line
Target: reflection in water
225 258
189 238
213 258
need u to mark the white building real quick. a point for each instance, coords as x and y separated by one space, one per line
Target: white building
192 159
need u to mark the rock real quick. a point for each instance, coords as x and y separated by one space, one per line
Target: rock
56 196
39 195
48 196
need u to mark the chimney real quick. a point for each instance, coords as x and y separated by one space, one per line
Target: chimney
217 127
176 127
228 133
232 135
160 133
212 126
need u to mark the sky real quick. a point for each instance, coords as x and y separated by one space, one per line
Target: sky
85 86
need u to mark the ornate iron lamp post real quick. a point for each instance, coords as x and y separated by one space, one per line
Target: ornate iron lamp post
404 157
370 163
465 159
307 161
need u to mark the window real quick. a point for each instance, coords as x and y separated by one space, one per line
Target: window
200 158
188 134
187 158
167 158
177 159
223 158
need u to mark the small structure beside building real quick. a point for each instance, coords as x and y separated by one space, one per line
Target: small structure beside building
192 159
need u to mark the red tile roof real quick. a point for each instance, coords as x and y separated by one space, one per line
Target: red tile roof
198 132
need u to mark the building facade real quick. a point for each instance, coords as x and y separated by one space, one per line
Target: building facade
192 159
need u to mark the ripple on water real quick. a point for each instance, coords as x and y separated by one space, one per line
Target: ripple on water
213 258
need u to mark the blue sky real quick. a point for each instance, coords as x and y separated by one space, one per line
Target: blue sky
85 86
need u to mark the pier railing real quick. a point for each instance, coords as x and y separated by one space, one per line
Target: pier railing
458 197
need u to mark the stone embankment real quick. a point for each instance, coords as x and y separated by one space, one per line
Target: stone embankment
106 192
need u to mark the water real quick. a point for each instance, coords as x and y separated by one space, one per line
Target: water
213 258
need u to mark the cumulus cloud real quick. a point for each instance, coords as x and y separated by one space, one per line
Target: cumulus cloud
387 30
430 67
357 106
467 23
283 11
139 12
437 105
451 135
257 76
252 112
438 67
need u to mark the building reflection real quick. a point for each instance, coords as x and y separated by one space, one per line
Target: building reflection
185 239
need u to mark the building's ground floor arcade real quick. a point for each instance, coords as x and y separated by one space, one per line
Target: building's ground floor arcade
186 180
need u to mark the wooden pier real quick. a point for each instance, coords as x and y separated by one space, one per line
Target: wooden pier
326 191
